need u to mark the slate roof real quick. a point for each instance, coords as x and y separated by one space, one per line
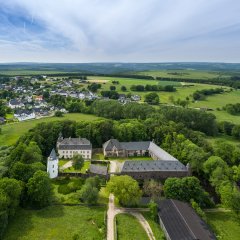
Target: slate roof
53 155
14 102
182 223
136 145
152 166
112 143
97 169
75 144
160 153
142 145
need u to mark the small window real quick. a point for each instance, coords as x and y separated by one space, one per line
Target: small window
52 166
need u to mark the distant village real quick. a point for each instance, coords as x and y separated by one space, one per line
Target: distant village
29 101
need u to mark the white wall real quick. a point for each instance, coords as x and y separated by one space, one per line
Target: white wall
52 168
86 154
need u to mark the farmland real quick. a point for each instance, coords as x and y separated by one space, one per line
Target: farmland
188 74
184 90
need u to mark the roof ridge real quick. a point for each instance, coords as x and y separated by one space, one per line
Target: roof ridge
183 218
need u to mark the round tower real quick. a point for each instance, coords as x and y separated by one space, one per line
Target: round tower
52 164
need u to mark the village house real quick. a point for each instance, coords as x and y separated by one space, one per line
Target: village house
14 103
67 147
23 115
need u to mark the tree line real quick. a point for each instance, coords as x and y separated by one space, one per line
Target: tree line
148 87
233 109
202 94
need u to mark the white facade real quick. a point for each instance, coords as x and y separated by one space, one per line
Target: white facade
24 117
14 106
86 154
52 165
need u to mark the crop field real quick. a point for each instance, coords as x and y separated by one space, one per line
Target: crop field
11 132
57 222
225 225
128 228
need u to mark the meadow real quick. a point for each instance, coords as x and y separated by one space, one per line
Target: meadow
11 132
189 74
184 90
128 228
57 222
225 225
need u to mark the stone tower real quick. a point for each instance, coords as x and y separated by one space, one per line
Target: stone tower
52 164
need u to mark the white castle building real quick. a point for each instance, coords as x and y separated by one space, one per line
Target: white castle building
52 164
68 147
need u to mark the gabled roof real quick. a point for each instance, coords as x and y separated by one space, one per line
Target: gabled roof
108 146
75 144
160 153
15 102
153 166
181 221
144 145
53 155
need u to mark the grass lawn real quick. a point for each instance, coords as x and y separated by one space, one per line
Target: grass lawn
11 132
83 170
157 231
225 225
128 228
57 222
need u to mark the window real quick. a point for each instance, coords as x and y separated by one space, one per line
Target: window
53 171
52 166
63 151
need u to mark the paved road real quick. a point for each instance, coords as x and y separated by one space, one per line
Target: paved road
113 211
110 218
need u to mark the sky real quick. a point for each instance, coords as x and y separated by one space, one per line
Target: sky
119 31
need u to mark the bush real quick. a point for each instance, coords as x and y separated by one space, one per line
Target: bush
64 189
58 114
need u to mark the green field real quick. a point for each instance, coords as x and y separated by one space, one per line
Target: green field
189 74
57 222
128 228
157 231
11 132
183 91
225 225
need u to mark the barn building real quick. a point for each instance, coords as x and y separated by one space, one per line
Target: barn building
179 221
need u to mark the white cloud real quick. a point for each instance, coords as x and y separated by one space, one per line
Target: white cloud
123 30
